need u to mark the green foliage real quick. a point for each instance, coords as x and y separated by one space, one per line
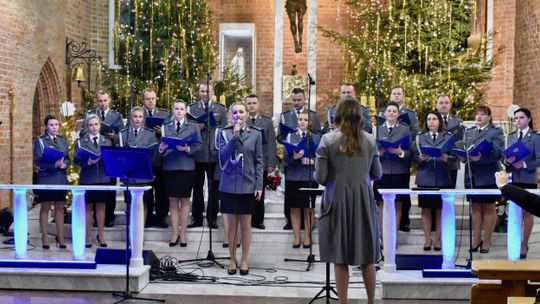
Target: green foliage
167 45
418 44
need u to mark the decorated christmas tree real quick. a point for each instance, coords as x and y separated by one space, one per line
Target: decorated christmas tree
167 45
420 45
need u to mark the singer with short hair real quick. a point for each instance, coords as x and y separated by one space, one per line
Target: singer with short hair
136 135
51 171
179 168
396 162
241 164
347 161
88 157
483 168
524 170
299 169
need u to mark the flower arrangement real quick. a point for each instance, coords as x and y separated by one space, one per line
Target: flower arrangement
274 180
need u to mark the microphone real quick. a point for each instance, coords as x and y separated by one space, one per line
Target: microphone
310 79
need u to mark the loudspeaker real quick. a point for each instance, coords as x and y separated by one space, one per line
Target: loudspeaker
118 256
418 261
6 219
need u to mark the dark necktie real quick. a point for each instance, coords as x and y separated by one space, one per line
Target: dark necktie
55 142
390 130
150 113
253 119
445 120
434 136
177 127
206 107
95 141
520 135
297 112
102 116
479 130
303 134
136 132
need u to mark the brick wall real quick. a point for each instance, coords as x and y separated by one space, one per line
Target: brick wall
500 90
527 62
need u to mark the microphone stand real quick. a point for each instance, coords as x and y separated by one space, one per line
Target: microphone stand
469 177
311 257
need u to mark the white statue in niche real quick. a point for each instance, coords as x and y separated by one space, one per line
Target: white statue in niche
238 64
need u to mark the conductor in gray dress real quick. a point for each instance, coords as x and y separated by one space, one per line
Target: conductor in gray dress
347 161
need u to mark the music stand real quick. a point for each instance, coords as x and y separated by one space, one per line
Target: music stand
127 163
327 288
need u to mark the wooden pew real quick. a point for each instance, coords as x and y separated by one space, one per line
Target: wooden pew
508 278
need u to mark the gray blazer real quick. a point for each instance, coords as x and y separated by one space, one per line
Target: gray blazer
432 172
453 121
179 160
265 123
220 113
391 163
332 111
241 161
157 113
48 173
95 173
532 142
290 119
113 118
294 169
483 170
146 138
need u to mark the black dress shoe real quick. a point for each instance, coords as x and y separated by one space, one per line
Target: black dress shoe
523 256
225 245
46 247
244 271
172 244
102 245
287 226
109 224
231 271
258 226
61 246
194 225
475 249
213 225
296 246
405 228
88 245
306 246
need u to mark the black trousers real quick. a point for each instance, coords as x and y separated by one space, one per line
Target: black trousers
158 201
202 169
258 216
405 207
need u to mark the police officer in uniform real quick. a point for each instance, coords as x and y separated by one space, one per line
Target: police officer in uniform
241 162
346 89
397 95
204 164
115 121
266 125
453 124
136 135
158 202
290 119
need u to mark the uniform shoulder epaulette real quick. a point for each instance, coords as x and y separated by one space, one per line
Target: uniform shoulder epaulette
312 111
410 110
471 128
219 103
161 109
286 111
149 129
124 129
168 122
256 128
266 116
193 103
227 127
513 132
448 133
495 126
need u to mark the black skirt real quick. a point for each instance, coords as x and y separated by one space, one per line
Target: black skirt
294 198
392 181
99 196
50 195
231 203
484 199
179 183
